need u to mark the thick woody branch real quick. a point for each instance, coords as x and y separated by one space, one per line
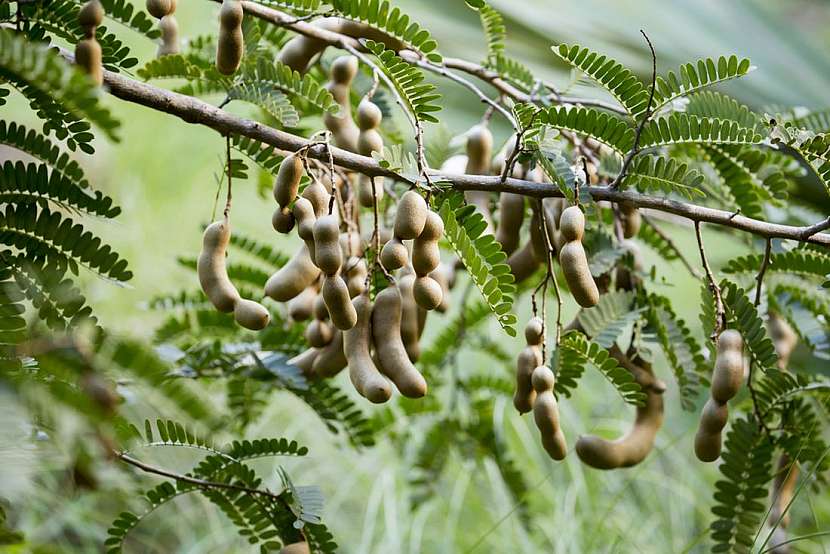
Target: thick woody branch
195 111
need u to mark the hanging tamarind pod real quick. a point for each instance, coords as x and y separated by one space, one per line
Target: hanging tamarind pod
573 259
88 53
230 45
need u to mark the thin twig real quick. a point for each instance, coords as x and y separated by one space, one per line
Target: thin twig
551 255
660 233
635 149
227 210
764 265
720 311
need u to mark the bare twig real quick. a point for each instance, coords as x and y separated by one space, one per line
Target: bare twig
764 265
660 233
228 199
720 311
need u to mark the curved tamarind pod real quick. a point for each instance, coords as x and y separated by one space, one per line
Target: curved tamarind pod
444 275
231 44
320 310
210 266
295 548
411 216
332 359
728 375
511 216
528 360
783 337
410 328
634 446
303 212
523 263
343 128
356 272
318 333
427 292
301 306
339 303
365 377
169 36
283 220
305 361
292 278
89 57
317 194
394 254
479 151
713 419
159 8
630 219
425 252
369 140
288 178
573 259
455 165
546 413
251 315
327 252
391 353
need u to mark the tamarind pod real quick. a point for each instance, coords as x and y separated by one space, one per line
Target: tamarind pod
320 310
410 327
89 57
327 253
728 375
630 219
529 359
370 189
295 548
169 36
394 254
786 477
634 446
572 224
332 359
574 264
411 215
303 212
546 414
444 274
455 165
783 337
298 52
356 273
293 277
369 141
713 419
283 220
391 353
158 8
427 292
369 117
534 333
523 263
210 266
425 252
319 197
511 216
422 320
288 178
342 126
365 377
351 244
318 333
231 44
301 306
479 149
304 361
251 315
90 16
339 303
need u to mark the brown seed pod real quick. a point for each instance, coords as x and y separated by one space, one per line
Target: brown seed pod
365 377
303 213
356 272
392 357
630 219
394 255
90 16
230 44
728 375
213 278
327 252
523 263
295 548
369 140
427 292
89 57
160 8
283 220
169 28
288 180
320 310
411 215
479 151
305 362
301 306
713 419
332 359
573 259
342 126
425 253
318 333
292 278
317 194
410 326
529 359
546 413
339 303
634 446
511 216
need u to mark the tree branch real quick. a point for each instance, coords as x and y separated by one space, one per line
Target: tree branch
720 311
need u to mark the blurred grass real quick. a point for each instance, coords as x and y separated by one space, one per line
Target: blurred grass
163 176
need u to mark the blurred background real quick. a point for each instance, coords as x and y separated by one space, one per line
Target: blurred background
163 176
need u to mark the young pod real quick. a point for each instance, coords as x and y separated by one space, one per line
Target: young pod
283 220
327 252
410 326
342 126
304 361
292 278
338 302
728 375
427 292
288 179
392 357
411 216
230 45
511 216
528 360
89 57
546 413
365 377
394 254
573 259
479 151
169 28
713 419
332 359
301 306
318 333
90 16
160 8
630 219
251 315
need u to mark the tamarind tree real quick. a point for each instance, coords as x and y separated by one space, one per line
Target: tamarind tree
413 249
